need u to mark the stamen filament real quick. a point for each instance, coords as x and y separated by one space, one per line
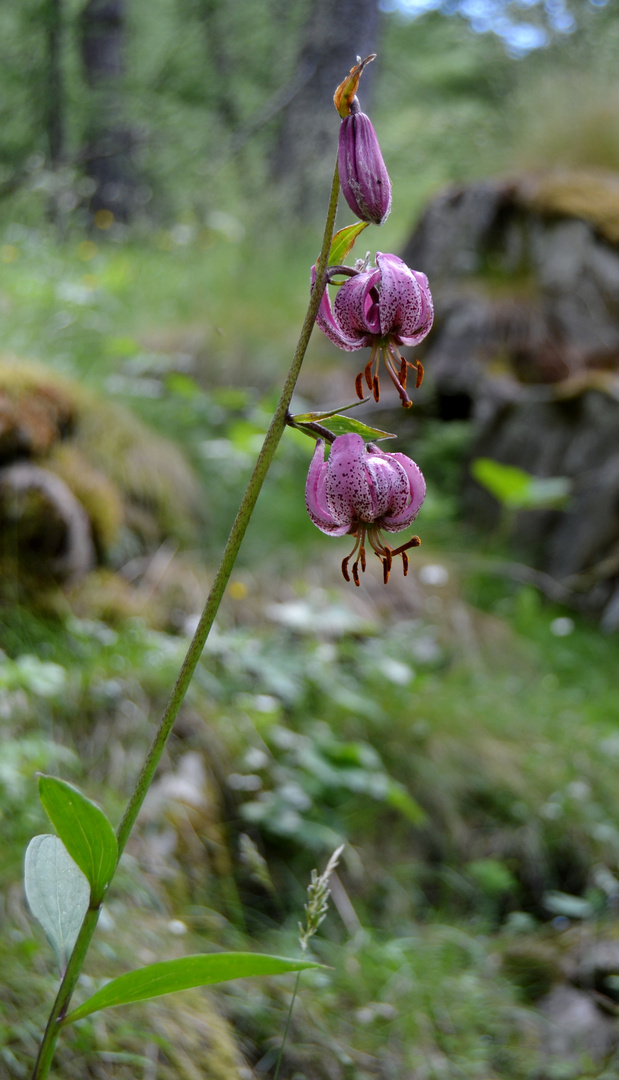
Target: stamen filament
413 542
359 534
391 356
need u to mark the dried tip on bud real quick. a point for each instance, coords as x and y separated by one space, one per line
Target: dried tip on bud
343 96
364 178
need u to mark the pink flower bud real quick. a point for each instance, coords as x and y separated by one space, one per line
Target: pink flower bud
365 181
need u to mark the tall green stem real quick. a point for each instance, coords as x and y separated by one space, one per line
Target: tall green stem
280 1056
231 550
63 997
237 533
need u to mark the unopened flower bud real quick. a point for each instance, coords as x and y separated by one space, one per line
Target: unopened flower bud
364 178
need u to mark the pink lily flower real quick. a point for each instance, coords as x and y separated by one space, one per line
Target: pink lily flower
383 308
361 490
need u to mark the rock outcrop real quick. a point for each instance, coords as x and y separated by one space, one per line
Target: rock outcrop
525 278
82 482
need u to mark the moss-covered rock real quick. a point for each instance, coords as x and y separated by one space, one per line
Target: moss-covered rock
73 463
592 196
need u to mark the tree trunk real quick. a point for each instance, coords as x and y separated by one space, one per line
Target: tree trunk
217 47
110 144
54 98
334 35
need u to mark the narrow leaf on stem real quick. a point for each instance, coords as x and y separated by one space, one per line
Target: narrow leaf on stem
306 418
345 425
169 976
343 241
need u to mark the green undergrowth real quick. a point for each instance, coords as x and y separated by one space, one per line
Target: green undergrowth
455 731
470 767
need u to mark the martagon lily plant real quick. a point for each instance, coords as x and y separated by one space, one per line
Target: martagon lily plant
359 490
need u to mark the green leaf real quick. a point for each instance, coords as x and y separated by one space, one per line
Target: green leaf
122 346
177 382
343 241
343 425
306 418
169 976
57 892
517 489
492 876
398 797
84 830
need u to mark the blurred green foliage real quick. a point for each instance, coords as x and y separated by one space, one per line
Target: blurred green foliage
459 733
202 97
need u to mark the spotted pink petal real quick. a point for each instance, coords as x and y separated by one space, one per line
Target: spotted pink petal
396 519
426 296
315 497
398 494
357 307
388 480
405 305
346 486
331 326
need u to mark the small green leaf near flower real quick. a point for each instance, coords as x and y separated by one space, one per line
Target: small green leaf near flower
343 242
343 425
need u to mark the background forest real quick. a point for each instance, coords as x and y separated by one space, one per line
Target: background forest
164 170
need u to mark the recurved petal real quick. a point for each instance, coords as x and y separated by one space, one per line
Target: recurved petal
315 498
426 316
347 491
406 310
387 482
329 324
398 519
356 307
396 488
